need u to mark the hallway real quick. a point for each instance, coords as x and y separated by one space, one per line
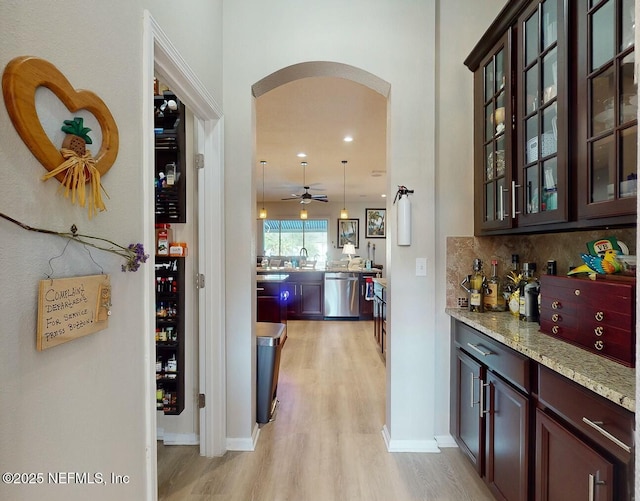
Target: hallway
326 442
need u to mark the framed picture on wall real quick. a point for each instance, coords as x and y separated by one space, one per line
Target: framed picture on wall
348 232
376 223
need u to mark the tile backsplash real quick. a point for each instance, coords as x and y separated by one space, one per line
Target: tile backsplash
564 248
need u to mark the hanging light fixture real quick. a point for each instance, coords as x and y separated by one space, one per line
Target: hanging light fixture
263 211
303 211
343 213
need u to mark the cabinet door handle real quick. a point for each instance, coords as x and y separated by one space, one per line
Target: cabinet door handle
592 486
513 199
596 425
259 288
482 387
478 350
503 214
472 402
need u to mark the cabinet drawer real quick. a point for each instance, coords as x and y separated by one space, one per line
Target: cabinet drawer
611 426
268 289
614 296
510 364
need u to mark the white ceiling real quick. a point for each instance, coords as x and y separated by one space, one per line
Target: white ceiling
313 115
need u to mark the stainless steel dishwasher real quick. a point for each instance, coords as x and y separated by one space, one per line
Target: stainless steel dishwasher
341 298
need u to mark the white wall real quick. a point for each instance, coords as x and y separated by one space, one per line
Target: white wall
400 49
80 407
460 24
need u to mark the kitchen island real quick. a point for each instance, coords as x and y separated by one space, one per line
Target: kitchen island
535 414
303 291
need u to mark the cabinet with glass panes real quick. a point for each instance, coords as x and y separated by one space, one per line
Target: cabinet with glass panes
555 117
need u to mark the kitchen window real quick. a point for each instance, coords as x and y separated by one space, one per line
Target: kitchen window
287 237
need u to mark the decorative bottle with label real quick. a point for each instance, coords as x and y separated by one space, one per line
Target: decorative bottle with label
493 298
528 270
477 287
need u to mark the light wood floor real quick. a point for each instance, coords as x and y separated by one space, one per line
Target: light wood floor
325 443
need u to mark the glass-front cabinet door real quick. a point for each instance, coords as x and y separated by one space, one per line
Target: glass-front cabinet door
608 98
493 131
540 188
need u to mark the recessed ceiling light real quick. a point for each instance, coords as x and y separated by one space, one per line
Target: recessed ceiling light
302 155
384 195
347 139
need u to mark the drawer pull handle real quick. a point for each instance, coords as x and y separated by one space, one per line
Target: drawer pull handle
596 426
482 352
259 288
592 486
555 329
599 316
599 330
555 317
555 305
577 292
599 344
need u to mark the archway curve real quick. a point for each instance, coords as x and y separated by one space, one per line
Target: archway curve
320 69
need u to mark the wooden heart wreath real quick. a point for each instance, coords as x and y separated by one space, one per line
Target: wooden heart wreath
72 165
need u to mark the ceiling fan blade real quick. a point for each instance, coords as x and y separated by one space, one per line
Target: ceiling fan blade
318 197
320 200
295 197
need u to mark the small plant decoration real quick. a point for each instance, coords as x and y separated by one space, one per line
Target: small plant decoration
79 168
133 254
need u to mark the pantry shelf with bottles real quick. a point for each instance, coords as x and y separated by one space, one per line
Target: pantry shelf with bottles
170 279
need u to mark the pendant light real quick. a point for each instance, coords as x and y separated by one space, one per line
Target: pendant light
263 211
303 211
343 213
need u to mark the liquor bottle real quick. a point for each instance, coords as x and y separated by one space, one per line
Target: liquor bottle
477 286
494 299
528 270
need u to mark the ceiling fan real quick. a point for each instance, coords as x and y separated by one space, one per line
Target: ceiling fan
306 197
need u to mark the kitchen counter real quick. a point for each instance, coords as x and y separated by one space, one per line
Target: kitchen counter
282 269
600 375
272 277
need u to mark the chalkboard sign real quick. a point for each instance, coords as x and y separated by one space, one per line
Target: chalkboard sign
69 308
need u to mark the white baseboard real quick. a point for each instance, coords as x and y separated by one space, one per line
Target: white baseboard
244 444
177 438
446 441
394 445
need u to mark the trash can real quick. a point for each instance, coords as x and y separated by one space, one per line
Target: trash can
270 339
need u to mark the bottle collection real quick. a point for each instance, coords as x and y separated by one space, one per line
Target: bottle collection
169 286
518 291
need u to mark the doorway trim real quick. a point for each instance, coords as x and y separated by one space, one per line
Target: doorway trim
159 55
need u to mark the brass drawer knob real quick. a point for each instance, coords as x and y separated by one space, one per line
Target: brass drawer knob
555 329
555 317
599 330
599 344
599 316
555 305
577 292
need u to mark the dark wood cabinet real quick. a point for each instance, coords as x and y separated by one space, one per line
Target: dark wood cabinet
380 316
490 410
467 416
583 441
170 154
271 301
305 292
507 456
366 291
566 468
555 128
170 336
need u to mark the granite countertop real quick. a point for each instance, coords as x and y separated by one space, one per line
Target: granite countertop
601 375
282 269
272 277
381 281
